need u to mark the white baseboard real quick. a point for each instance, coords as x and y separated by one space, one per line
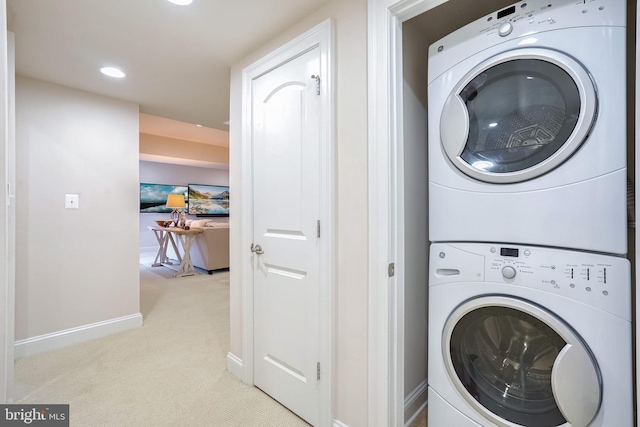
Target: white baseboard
415 402
337 423
234 365
67 337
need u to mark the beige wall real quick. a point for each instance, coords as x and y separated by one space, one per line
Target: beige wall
350 369
163 147
416 240
74 266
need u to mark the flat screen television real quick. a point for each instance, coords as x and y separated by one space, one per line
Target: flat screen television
153 197
208 200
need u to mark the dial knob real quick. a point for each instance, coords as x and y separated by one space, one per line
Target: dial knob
508 272
505 29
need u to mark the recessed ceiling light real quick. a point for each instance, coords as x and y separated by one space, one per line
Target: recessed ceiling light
112 72
181 2
199 126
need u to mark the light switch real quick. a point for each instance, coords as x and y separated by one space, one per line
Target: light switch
71 201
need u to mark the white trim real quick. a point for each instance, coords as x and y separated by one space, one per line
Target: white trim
415 402
7 391
319 36
67 337
234 365
386 242
636 179
337 423
378 133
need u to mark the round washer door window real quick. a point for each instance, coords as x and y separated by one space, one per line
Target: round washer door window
518 115
517 364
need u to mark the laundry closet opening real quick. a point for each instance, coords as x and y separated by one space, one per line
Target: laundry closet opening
412 266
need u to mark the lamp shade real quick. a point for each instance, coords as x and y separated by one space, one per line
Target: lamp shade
175 201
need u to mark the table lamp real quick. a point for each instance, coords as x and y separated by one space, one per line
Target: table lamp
175 202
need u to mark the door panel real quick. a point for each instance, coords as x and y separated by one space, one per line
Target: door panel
286 192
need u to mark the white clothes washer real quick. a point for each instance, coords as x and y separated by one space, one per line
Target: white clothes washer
528 336
527 127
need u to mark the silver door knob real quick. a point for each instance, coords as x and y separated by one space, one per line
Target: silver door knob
256 249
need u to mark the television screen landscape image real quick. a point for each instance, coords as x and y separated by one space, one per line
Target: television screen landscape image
153 197
208 200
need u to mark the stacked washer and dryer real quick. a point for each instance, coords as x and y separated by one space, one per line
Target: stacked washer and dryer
529 287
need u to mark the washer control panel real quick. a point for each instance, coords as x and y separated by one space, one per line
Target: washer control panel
599 280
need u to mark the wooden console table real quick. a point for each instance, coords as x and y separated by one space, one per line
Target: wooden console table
164 235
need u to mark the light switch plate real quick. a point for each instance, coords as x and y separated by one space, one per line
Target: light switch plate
71 201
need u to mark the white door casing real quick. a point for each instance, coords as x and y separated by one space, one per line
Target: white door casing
386 183
287 196
7 216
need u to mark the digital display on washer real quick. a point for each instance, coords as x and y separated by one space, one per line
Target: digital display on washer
509 252
507 11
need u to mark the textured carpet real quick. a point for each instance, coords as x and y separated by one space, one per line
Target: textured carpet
421 420
169 372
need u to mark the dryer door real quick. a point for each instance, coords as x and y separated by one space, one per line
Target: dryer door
519 365
518 115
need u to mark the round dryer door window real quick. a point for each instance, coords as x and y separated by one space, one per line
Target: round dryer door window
518 364
518 115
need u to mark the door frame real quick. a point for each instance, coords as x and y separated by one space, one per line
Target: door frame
7 216
320 36
386 201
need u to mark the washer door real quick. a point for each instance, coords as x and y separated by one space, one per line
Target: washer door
518 115
519 365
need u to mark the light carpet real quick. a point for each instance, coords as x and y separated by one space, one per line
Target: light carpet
421 420
170 372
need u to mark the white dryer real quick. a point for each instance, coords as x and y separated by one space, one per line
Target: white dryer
528 336
527 127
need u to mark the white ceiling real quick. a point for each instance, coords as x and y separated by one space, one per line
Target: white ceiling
177 58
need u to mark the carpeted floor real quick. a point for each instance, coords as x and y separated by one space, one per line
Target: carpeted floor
421 420
170 372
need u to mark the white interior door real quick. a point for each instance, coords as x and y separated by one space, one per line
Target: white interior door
286 248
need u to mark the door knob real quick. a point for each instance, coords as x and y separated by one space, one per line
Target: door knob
256 249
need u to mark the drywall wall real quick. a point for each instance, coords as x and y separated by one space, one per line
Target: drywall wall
74 267
350 391
163 173
415 233
171 150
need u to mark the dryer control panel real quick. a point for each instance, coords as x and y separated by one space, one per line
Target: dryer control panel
598 280
525 19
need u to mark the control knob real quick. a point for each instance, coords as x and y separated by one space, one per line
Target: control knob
505 29
508 272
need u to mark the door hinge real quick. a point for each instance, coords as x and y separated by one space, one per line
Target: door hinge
318 228
392 269
314 76
318 369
